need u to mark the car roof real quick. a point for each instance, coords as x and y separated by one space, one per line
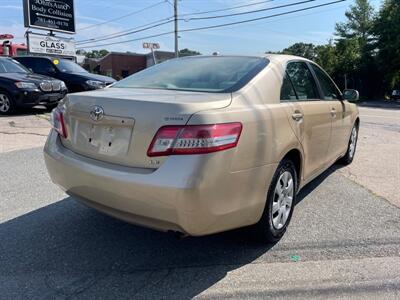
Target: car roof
277 58
283 58
39 56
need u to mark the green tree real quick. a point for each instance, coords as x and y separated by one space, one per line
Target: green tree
387 31
97 53
188 52
359 24
366 49
326 57
301 49
355 48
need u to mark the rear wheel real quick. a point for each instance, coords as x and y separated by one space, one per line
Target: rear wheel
351 148
7 105
281 199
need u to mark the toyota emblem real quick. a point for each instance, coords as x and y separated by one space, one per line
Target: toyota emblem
97 113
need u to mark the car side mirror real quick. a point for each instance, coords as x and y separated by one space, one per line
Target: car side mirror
351 95
31 70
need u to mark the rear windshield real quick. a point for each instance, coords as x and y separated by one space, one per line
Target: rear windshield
205 74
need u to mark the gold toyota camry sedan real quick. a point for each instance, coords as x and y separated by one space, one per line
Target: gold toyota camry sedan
204 144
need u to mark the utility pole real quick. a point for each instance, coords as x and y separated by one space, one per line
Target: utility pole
176 27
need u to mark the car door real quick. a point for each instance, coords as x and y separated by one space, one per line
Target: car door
309 117
339 112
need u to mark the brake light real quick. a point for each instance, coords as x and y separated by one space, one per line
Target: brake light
58 123
194 139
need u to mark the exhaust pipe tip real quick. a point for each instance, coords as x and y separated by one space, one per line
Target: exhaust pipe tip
177 234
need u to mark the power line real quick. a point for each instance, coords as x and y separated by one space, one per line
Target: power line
225 9
219 25
301 15
127 41
261 18
123 33
124 16
135 29
250 12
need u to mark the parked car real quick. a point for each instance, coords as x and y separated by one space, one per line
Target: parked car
20 88
226 142
395 95
75 77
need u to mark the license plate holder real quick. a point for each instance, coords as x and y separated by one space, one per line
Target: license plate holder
54 98
109 140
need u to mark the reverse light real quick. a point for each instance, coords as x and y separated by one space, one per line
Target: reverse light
194 139
58 123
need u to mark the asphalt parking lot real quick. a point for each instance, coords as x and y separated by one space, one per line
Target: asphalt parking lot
343 241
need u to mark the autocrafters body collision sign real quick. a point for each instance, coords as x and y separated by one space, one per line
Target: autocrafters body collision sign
57 15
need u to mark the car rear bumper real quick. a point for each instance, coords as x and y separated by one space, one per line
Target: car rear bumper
36 97
192 194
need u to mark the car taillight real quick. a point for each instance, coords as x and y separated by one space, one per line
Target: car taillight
58 123
194 139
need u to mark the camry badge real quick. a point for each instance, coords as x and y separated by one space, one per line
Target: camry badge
97 113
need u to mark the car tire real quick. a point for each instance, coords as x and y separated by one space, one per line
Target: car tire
51 106
351 148
7 104
275 218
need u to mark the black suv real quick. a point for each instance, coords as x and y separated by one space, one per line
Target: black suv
21 88
75 77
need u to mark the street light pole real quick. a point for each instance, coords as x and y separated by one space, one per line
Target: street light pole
176 27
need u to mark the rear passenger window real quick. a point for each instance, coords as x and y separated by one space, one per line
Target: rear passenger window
38 65
328 87
287 90
43 66
303 81
27 63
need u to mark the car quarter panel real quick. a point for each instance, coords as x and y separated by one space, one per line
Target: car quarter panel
266 135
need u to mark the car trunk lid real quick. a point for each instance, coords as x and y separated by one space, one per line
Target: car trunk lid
117 125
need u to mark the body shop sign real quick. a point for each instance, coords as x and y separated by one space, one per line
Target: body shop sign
42 44
57 15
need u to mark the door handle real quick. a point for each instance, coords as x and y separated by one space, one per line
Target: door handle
297 116
333 112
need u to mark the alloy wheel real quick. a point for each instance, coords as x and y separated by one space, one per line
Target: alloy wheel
353 141
283 200
4 103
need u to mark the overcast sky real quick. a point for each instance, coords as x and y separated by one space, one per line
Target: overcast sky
312 26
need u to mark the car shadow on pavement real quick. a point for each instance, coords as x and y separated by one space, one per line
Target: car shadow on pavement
70 251
307 189
37 110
